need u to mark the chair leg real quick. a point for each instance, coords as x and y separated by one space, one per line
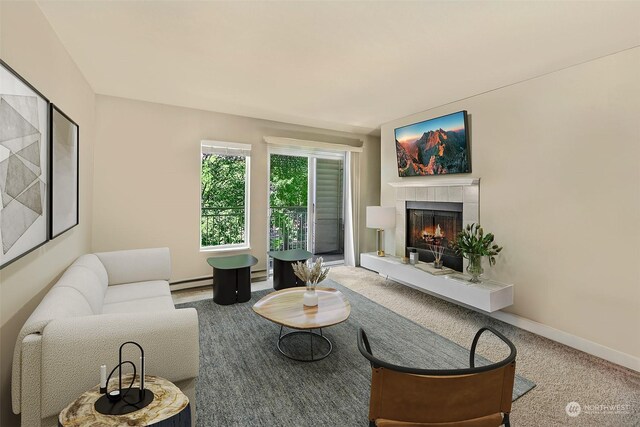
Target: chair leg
372 423
505 420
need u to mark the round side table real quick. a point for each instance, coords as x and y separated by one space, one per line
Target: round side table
232 278
283 275
170 407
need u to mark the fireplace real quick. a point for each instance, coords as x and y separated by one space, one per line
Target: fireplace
434 223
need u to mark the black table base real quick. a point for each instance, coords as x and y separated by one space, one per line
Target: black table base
310 334
231 286
283 275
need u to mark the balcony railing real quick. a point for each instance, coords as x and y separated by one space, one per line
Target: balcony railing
222 226
226 225
287 228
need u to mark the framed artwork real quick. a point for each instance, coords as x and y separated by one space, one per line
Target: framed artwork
64 176
24 155
437 146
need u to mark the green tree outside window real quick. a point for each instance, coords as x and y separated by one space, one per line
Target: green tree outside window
222 220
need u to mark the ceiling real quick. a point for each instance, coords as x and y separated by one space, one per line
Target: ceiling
340 65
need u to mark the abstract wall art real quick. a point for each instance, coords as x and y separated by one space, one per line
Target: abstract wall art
65 135
24 171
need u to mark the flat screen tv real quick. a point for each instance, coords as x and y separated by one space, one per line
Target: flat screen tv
437 146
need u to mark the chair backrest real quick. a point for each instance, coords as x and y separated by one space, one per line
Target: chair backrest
474 396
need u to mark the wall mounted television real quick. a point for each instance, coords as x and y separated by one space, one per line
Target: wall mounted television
437 146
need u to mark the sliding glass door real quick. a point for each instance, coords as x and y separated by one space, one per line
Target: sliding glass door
306 203
327 230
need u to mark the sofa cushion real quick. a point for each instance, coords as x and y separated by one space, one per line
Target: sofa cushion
92 262
87 283
138 290
162 303
136 265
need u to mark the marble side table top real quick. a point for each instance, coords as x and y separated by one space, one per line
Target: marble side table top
168 402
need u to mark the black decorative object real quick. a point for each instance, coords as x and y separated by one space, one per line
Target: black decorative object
64 174
123 401
24 173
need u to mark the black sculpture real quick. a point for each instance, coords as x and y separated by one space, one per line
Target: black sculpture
120 402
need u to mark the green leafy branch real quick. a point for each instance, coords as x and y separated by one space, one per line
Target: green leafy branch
473 241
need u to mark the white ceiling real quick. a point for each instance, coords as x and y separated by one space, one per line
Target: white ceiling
340 65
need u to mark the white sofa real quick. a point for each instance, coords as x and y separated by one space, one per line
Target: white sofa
101 301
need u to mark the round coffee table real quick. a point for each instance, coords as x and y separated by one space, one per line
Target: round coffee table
285 308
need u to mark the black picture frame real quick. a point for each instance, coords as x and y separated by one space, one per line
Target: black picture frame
56 230
16 86
454 157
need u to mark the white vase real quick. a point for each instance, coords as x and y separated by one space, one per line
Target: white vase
310 297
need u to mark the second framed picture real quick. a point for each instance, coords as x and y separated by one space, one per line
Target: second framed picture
64 173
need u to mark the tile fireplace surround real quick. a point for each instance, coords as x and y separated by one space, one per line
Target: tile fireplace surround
459 190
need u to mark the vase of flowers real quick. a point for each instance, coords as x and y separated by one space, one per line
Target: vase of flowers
311 274
474 268
473 244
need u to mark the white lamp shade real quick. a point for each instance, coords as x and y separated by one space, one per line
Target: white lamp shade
381 217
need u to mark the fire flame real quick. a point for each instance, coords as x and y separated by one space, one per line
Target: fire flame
430 233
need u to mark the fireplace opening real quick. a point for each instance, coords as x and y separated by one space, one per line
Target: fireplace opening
431 224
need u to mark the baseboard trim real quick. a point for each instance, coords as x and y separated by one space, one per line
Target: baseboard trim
199 282
573 341
191 284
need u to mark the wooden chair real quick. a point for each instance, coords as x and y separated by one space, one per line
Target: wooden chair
470 397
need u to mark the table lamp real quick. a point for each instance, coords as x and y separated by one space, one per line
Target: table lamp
380 217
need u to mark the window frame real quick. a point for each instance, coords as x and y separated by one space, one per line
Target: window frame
245 151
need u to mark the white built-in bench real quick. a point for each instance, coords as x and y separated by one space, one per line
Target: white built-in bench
487 296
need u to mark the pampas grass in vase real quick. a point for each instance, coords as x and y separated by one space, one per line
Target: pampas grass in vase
311 274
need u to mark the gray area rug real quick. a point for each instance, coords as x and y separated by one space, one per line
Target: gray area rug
245 381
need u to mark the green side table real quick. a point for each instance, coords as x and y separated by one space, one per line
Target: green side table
232 278
283 275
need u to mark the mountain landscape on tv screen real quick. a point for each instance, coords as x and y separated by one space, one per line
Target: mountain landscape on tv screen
435 152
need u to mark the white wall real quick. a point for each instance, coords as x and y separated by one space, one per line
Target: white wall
30 46
559 162
147 177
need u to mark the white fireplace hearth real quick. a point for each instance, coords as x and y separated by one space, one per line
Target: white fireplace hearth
457 190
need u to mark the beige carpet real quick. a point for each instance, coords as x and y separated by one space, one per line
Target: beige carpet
561 374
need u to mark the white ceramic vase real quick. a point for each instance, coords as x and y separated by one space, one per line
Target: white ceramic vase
310 297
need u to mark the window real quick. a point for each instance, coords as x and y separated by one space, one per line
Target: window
224 195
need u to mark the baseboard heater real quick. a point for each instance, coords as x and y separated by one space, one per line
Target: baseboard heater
202 281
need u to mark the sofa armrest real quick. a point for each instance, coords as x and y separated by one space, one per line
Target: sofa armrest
137 265
31 385
74 348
